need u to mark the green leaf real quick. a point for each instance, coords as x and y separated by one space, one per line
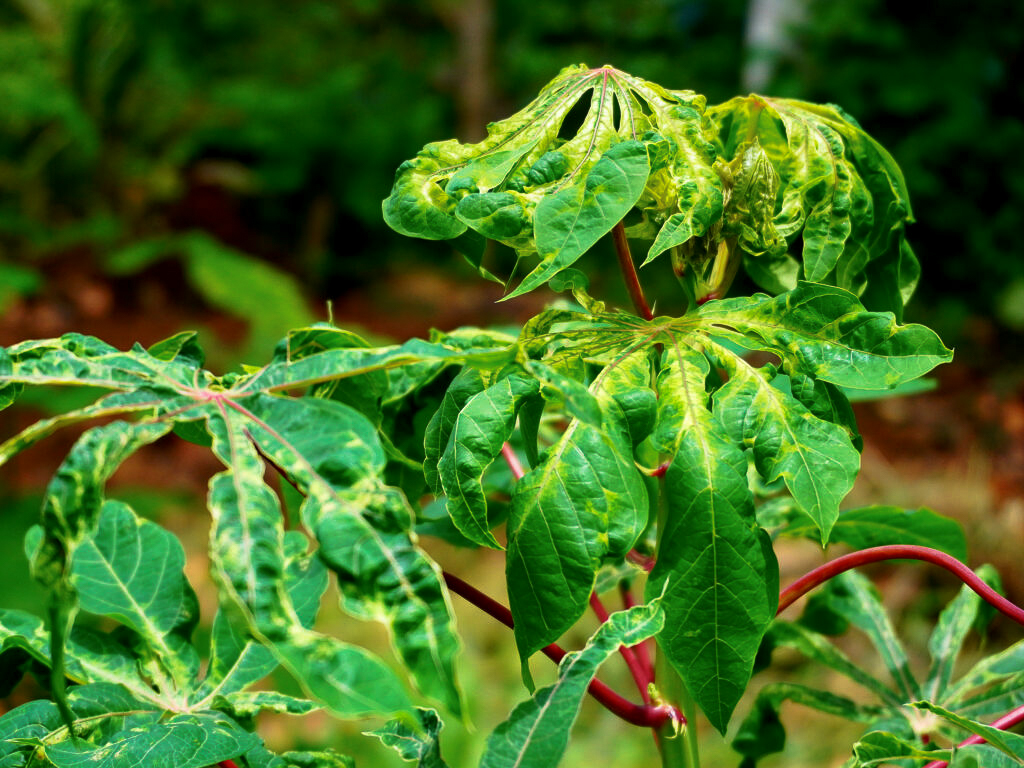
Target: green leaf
839 189
537 732
982 756
855 597
573 219
947 639
877 526
815 458
481 428
363 527
1000 678
579 403
712 560
420 745
826 333
468 382
180 741
761 732
1010 744
585 502
131 569
881 748
248 704
237 661
818 648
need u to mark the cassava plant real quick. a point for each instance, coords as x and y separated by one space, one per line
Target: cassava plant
649 457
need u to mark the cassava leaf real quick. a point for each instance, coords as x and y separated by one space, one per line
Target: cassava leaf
1010 744
826 333
420 745
480 429
877 526
131 569
947 639
839 189
585 502
818 648
856 598
712 558
537 732
363 528
180 741
815 458
761 732
468 382
881 748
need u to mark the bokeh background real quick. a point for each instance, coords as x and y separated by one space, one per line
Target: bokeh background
219 165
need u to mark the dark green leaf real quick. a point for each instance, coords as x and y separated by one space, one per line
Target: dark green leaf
421 745
481 428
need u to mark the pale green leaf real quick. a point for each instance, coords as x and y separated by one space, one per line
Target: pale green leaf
826 333
420 745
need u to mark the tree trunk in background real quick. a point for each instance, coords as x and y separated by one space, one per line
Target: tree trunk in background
768 37
472 25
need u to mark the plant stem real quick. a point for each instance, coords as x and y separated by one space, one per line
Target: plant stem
643 653
823 573
1006 721
513 462
636 293
678 748
227 764
645 715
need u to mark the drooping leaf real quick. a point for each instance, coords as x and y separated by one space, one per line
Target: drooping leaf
537 732
481 428
815 458
236 660
712 559
363 529
585 502
468 382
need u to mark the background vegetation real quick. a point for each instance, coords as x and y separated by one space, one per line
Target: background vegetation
220 164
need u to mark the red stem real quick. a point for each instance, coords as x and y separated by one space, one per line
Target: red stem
637 714
628 268
228 764
513 461
1006 721
643 653
823 573
628 655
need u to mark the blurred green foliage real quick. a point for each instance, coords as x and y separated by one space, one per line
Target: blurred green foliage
940 89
